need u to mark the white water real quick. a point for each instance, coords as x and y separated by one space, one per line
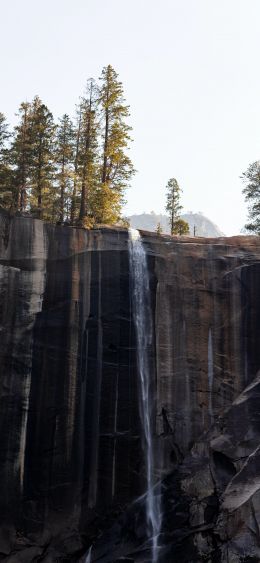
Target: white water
88 558
144 336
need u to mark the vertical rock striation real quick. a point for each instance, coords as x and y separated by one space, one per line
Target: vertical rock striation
72 466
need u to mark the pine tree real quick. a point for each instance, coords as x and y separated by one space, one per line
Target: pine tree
116 167
173 206
181 227
7 193
42 170
88 154
64 156
4 133
21 156
61 172
252 195
74 207
159 229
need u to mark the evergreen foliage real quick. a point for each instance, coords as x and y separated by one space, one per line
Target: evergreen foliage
74 204
87 159
174 207
7 190
42 167
21 157
181 227
252 195
4 133
64 154
116 166
73 171
159 229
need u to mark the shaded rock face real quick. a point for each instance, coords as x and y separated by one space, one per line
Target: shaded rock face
72 469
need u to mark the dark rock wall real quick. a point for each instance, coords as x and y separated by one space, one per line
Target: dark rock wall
207 329
71 462
69 411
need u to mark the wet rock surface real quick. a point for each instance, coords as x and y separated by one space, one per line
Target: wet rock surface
72 470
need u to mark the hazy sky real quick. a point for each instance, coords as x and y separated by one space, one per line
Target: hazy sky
190 70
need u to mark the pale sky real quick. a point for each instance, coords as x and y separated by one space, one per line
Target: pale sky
190 70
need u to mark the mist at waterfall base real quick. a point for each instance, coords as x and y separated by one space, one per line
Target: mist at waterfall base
144 337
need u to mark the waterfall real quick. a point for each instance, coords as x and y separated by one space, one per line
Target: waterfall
144 337
88 556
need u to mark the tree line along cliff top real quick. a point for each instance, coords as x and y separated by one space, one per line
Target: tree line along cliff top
74 171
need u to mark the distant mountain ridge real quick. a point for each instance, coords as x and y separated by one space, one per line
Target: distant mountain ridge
203 226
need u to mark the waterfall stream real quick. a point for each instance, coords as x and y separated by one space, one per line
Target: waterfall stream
88 556
144 338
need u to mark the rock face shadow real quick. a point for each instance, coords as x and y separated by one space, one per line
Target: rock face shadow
72 465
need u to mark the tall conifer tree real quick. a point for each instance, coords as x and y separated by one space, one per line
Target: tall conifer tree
173 207
21 156
64 156
75 191
252 195
4 133
42 170
116 166
88 153
61 172
7 192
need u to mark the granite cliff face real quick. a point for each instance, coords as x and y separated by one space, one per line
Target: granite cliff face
72 467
